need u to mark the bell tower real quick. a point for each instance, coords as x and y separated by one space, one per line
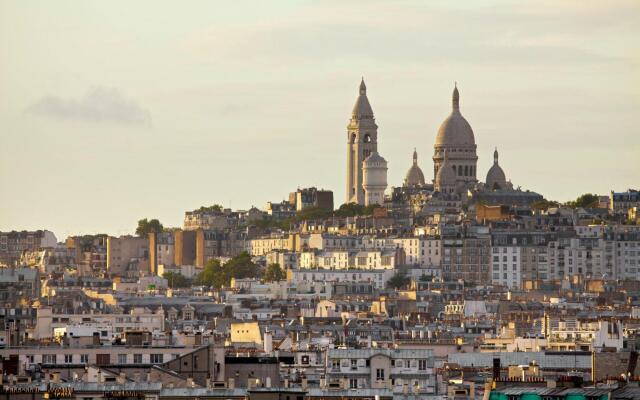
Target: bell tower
362 141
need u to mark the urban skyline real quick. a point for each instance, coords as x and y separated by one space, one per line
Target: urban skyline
335 200
100 121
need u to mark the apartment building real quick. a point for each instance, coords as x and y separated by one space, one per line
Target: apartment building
47 321
13 244
377 277
127 256
408 371
588 257
421 251
467 257
621 202
576 334
336 260
519 255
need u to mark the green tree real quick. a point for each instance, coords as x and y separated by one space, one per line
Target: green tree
216 208
349 210
544 204
217 275
399 280
353 209
211 275
587 200
273 273
313 213
176 280
145 227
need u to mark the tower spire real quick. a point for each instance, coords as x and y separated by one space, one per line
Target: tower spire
456 97
415 156
363 87
495 156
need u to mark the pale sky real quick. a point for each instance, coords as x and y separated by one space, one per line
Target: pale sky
111 111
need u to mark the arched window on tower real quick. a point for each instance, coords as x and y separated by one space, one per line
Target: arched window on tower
466 170
353 138
459 170
367 138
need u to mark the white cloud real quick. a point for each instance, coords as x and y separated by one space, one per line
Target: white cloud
98 104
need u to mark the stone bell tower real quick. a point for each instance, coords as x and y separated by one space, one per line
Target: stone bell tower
362 141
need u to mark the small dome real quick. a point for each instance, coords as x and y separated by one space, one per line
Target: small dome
455 130
414 176
496 179
375 160
362 108
445 175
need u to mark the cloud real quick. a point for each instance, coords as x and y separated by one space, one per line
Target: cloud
98 104
419 33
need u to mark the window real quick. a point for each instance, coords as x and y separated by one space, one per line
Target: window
122 358
137 358
379 374
354 364
49 359
156 358
103 359
84 358
422 365
353 383
68 358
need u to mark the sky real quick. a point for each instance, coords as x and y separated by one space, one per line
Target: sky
120 110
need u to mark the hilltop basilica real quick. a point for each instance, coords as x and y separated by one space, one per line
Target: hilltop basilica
454 184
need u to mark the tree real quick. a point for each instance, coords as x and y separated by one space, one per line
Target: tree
211 275
544 204
216 208
399 280
217 275
349 210
176 280
273 273
313 213
145 227
587 200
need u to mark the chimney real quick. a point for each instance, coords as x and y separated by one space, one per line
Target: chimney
190 382
305 383
268 341
267 382
121 379
231 384
55 377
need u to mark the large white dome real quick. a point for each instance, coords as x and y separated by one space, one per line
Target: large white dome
455 130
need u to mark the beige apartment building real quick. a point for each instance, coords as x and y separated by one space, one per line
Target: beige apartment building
127 256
